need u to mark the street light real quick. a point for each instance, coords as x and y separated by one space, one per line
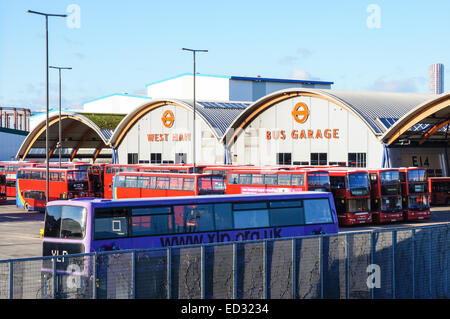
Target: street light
47 100
59 141
193 144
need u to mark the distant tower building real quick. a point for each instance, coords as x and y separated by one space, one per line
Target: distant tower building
436 78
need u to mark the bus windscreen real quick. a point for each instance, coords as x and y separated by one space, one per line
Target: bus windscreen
358 184
389 177
417 175
68 222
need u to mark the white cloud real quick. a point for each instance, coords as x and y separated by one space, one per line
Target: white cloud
400 85
299 74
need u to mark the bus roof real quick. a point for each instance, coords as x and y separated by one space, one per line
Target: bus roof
140 173
85 202
51 169
275 171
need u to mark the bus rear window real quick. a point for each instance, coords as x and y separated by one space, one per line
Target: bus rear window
211 184
77 176
318 179
317 211
68 222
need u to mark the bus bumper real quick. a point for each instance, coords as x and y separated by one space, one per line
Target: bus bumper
349 219
416 215
384 218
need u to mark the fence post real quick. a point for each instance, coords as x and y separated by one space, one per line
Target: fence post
54 277
265 271
430 277
394 244
321 252
169 273
372 259
11 280
133 275
413 245
347 272
235 271
203 272
294 268
94 277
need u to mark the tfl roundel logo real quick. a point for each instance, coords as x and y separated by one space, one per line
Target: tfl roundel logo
168 119
300 112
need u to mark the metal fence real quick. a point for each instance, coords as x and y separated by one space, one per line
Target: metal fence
400 263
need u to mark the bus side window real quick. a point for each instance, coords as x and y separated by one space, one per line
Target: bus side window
193 218
233 179
151 221
223 216
284 179
298 180
257 179
111 223
245 179
286 213
317 211
188 184
270 179
250 215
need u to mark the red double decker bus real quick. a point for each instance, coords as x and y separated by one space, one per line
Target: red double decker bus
386 195
415 193
252 181
439 188
109 171
63 184
351 192
68 165
143 185
3 196
96 179
10 168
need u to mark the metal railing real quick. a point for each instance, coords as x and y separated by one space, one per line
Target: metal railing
399 263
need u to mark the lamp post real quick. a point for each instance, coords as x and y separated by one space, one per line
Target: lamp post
59 129
193 144
46 15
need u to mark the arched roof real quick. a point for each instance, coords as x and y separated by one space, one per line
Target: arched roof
373 108
427 122
215 114
77 132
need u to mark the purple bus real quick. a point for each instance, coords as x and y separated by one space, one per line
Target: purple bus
87 225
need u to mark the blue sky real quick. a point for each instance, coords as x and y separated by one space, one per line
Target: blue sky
120 46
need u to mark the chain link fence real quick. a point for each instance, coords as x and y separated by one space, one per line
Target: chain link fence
401 263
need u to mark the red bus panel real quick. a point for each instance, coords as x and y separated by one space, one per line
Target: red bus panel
415 193
351 192
439 190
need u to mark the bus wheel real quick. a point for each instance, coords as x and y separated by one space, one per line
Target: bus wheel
27 207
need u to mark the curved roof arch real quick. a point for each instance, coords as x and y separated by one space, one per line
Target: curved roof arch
370 107
77 132
422 122
217 120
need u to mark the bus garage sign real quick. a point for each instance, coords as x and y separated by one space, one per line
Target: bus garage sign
301 113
